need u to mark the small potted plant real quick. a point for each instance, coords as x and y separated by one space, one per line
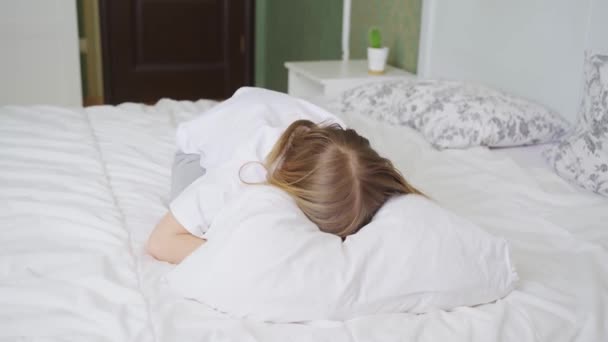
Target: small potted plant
376 53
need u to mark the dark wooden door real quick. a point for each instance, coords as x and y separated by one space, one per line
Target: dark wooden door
181 49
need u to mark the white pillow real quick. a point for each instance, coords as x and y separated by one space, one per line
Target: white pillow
265 260
453 114
582 157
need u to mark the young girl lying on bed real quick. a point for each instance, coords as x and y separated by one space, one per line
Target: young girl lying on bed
332 173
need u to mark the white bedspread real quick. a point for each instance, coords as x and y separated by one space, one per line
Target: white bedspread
80 190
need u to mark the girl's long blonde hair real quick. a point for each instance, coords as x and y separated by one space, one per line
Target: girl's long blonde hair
334 175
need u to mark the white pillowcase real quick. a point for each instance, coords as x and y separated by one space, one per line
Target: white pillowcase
453 114
266 261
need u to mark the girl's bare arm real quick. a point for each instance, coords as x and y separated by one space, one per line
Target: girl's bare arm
171 242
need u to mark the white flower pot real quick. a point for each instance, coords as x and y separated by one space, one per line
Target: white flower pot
376 60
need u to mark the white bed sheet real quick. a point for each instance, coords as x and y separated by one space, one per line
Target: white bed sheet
82 189
527 157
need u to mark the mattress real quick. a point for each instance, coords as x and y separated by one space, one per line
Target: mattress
81 190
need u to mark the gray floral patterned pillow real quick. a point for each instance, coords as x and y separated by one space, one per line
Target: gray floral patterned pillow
582 157
456 114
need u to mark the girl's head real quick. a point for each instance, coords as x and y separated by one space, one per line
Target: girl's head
334 175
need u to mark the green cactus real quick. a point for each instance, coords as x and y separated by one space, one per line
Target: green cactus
375 38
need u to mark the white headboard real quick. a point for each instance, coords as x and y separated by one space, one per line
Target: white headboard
531 48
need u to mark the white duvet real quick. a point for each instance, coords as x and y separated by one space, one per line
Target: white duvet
80 191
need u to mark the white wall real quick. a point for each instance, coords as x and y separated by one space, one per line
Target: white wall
598 27
531 48
39 55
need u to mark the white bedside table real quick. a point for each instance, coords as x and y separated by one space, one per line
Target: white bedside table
328 78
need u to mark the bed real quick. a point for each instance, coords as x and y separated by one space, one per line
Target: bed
81 189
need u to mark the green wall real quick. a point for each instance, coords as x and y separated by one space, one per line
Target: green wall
399 22
292 30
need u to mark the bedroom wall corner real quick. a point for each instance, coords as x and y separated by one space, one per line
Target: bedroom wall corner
399 21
